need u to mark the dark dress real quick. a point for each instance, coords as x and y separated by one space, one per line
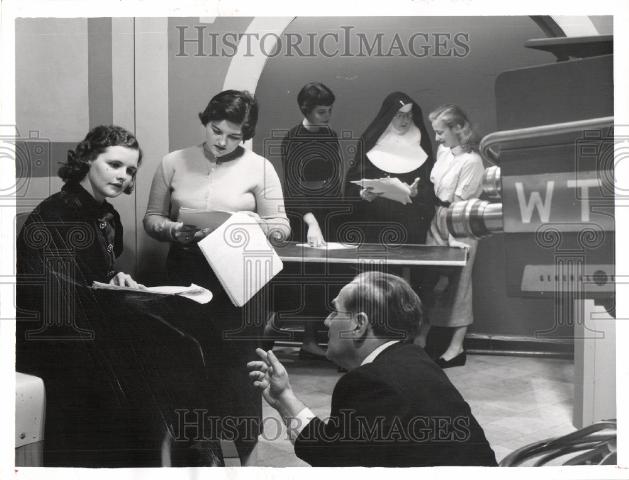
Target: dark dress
313 176
384 221
313 182
112 386
228 336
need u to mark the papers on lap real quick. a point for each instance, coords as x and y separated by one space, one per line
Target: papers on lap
241 257
193 292
390 187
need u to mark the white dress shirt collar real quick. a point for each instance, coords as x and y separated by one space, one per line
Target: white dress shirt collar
372 356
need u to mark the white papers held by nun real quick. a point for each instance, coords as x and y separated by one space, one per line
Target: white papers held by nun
390 187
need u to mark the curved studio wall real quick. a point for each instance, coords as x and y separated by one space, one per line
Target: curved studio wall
360 83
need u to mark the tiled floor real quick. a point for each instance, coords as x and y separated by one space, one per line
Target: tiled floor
517 400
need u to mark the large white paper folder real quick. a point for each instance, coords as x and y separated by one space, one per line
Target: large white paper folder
241 257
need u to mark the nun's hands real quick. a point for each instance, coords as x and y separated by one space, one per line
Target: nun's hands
369 195
414 188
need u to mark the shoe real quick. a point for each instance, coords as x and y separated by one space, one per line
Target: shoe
305 355
457 361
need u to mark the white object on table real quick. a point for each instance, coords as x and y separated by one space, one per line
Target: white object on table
329 246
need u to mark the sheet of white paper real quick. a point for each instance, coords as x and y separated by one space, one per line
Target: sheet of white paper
329 246
193 292
241 257
390 187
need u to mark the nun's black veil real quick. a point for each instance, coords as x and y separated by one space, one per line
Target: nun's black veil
390 106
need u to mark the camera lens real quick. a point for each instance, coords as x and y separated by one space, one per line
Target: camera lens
474 218
491 183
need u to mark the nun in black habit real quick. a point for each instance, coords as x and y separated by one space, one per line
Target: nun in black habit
395 144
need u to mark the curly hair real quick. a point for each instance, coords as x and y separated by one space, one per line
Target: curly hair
235 106
97 140
313 94
453 116
392 307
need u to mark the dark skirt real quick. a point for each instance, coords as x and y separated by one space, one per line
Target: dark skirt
228 336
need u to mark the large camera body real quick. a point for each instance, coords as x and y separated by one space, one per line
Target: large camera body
552 190
551 194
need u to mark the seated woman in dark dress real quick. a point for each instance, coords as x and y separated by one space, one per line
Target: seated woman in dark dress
102 407
70 240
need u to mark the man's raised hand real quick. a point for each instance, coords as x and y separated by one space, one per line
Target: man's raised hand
270 376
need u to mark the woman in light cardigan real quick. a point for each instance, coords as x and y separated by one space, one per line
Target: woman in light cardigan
219 175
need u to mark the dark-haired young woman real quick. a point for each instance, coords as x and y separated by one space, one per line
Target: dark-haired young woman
313 169
219 174
313 176
102 166
70 240
114 370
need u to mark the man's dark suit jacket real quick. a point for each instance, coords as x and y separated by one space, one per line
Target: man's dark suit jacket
398 411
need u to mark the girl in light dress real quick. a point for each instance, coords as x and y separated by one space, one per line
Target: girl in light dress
457 175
